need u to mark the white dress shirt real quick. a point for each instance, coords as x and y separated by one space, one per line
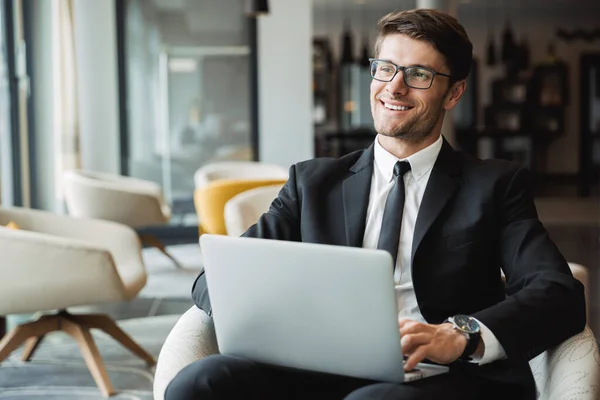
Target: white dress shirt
415 182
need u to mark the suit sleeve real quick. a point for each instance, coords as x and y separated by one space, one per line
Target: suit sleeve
281 222
545 305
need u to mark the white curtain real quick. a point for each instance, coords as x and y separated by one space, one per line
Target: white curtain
66 113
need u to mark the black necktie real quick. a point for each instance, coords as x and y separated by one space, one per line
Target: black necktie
389 237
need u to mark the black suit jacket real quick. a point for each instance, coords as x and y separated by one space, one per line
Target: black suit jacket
476 218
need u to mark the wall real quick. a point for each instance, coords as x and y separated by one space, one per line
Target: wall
285 79
96 48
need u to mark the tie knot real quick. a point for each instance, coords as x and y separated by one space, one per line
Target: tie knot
401 168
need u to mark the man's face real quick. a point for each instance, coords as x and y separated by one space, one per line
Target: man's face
422 110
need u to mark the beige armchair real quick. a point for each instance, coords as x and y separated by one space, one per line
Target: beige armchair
130 201
53 262
243 210
570 370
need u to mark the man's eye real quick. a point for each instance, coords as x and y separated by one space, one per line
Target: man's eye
420 75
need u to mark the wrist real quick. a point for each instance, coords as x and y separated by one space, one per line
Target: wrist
460 339
480 349
469 328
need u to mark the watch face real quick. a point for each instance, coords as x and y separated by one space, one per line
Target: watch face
466 323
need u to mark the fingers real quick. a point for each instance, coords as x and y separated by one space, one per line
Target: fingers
412 341
438 343
403 321
415 358
409 326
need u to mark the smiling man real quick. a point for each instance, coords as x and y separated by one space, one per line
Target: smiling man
452 223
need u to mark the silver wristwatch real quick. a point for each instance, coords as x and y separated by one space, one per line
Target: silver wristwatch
470 329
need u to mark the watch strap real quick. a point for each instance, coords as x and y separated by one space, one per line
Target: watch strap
471 347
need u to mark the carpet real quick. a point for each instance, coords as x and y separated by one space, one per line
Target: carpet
57 370
165 281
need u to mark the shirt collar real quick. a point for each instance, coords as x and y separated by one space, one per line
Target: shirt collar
420 162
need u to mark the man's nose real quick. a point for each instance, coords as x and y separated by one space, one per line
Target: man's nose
397 85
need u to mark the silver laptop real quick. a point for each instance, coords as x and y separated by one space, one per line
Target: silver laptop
308 306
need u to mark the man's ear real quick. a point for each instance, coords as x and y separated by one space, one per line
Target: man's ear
454 94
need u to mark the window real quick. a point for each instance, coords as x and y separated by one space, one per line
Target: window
186 68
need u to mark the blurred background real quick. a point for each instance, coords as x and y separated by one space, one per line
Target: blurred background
155 89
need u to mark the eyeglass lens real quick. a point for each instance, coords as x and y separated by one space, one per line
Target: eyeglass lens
416 77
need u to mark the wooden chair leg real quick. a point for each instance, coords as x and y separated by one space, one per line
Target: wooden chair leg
153 241
90 355
21 333
108 325
31 346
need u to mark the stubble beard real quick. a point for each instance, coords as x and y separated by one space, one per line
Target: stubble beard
415 130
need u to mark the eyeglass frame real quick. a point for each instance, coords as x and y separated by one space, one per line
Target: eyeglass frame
401 68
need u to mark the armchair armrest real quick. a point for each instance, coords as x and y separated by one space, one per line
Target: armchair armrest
570 370
192 338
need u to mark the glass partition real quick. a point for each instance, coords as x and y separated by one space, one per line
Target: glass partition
187 74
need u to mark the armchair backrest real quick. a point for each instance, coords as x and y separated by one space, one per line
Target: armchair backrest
243 210
58 250
130 201
238 170
121 241
210 200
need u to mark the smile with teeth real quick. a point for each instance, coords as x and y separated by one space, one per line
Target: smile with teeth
397 108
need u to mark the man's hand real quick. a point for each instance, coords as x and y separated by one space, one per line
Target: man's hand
439 343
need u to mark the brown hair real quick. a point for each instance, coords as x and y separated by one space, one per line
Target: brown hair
439 29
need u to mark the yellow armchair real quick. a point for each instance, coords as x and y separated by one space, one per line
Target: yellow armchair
210 200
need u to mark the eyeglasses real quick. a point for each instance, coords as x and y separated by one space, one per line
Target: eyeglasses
414 77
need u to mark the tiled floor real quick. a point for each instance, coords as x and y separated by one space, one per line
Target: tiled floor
136 308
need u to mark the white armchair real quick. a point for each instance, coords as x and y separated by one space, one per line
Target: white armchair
53 262
243 210
133 202
570 370
130 201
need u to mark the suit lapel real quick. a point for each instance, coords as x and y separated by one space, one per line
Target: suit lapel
356 190
442 185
